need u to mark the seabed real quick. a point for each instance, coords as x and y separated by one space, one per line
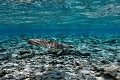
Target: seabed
93 57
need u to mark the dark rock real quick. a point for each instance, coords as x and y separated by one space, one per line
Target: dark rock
2 49
84 54
43 60
4 56
118 60
27 55
77 63
81 64
42 68
93 67
4 72
100 69
105 62
21 52
53 75
20 76
98 74
58 75
90 78
8 77
107 77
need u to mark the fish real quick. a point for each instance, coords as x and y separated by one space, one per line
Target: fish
50 44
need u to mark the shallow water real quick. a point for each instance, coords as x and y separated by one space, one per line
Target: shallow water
89 28
60 14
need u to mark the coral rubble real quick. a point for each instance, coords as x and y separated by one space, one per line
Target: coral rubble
91 58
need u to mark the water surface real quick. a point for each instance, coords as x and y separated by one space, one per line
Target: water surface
60 14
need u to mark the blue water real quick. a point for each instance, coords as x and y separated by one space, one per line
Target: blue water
33 44
36 16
